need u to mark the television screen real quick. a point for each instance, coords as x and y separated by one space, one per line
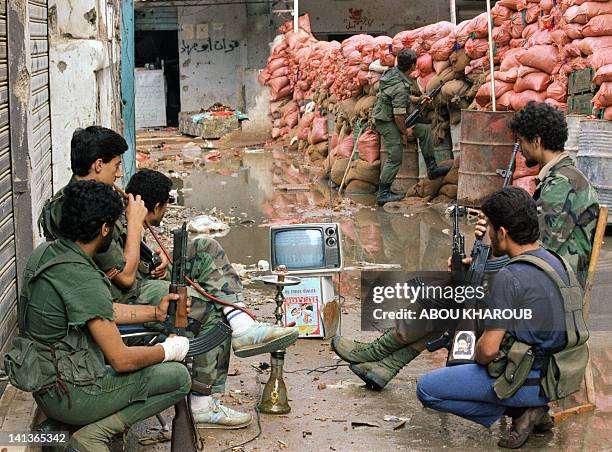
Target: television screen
299 248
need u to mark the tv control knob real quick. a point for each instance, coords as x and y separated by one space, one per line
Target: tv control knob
330 231
330 241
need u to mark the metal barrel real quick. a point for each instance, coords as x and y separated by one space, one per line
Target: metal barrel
573 133
455 139
594 157
442 151
486 146
408 174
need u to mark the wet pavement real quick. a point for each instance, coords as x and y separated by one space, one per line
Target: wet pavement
253 186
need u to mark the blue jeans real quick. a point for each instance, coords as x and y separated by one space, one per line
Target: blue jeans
467 391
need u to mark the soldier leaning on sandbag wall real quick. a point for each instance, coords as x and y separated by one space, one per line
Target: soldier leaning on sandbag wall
397 94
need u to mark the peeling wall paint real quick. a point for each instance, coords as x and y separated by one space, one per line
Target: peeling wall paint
84 61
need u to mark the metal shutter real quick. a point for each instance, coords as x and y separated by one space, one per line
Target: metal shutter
8 273
40 118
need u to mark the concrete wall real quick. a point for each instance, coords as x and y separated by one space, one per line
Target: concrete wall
83 65
221 47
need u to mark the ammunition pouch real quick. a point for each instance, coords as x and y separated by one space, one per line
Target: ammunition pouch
565 372
511 368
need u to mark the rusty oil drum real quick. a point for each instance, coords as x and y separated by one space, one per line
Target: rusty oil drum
486 146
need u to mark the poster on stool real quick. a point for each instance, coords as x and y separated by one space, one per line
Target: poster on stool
302 307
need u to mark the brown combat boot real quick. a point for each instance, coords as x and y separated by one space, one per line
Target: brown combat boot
523 425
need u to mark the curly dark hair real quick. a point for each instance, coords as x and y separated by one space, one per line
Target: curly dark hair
152 186
406 59
91 144
540 119
515 210
87 206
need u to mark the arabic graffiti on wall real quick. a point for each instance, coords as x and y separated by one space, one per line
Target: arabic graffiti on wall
209 46
357 20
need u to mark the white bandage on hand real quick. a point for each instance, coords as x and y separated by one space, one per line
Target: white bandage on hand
175 348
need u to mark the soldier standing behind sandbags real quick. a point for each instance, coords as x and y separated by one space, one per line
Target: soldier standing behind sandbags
397 92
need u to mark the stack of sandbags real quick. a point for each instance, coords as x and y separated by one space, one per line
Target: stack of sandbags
364 173
523 176
448 190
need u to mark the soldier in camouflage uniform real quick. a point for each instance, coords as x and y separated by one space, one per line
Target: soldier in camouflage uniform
396 94
567 211
207 265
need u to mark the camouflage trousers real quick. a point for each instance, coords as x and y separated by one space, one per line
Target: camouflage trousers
207 265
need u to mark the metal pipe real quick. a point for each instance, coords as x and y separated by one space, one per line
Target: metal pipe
453 12
492 68
296 15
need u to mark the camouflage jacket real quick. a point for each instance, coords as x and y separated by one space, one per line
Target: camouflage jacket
568 209
393 96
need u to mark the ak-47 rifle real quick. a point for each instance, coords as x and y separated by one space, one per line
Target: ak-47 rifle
458 246
476 271
416 114
184 434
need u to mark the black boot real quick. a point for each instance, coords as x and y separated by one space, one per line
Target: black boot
385 195
433 170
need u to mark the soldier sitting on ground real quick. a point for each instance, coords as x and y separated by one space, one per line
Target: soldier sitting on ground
68 329
96 155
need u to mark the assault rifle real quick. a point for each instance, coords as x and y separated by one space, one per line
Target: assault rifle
413 117
458 247
149 259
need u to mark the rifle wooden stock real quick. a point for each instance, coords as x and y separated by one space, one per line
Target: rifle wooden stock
181 308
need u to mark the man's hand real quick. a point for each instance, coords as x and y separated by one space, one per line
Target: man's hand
161 310
160 271
409 132
136 211
481 227
426 100
466 261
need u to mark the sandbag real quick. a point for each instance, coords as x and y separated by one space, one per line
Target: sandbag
526 183
573 31
519 100
478 26
483 96
278 83
452 177
558 105
347 107
515 5
590 45
449 190
508 76
368 146
461 33
521 169
441 50
501 35
318 131
454 89
476 48
440 66
459 61
544 58
557 90
424 64
537 81
504 103
586 11
364 106
425 188
500 13
364 171
446 75
510 59
345 146
608 114
603 98
600 57
540 38
603 74
560 37
337 170
599 26
284 92
358 187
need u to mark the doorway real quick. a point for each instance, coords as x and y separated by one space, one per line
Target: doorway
160 49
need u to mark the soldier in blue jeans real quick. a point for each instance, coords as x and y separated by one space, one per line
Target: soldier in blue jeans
536 280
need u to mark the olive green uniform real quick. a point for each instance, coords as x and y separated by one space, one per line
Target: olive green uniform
56 358
394 99
207 264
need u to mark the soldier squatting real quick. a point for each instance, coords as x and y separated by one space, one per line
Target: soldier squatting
93 254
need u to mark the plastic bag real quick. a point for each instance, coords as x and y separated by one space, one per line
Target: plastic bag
603 98
603 74
369 146
599 26
544 58
537 81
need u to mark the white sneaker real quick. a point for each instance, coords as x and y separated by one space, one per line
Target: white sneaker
219 416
